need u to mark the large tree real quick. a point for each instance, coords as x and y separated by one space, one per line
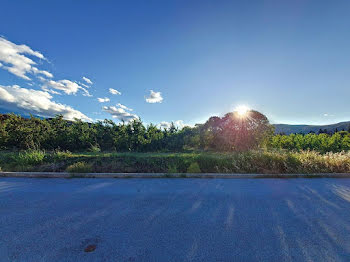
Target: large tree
235 131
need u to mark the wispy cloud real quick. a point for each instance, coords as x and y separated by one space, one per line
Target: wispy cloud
67 86
178 123
124 107
154 97
114 91
87 80
84 85
15 59
103 100
36 102
120 113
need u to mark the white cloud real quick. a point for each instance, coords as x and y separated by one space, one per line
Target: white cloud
14 59
178 123
67 86
6 96
164 124
124 107
103 100
87 80
43 72
119 113
154 97
86 93
84 85
36 102
114 91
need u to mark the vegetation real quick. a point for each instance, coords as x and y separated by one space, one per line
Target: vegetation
194 168
79 167
229 133
235 162
337 142
231 144
30 157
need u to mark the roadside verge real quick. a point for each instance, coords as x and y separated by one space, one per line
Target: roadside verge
166 175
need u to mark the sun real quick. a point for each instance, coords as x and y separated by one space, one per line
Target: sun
242 110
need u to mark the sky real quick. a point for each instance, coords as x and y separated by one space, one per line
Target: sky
180 61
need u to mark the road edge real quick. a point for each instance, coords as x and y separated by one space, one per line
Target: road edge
166 175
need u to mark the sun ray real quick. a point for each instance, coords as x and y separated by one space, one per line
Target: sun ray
242 110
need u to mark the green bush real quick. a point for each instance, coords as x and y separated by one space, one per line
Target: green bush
61 155
94 149
30 157
79 167
172 169
194 168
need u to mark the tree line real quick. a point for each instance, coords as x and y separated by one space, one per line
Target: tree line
231 132
323 142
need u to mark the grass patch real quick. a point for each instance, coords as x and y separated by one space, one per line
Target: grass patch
172 169
194 168
265 162
30 158
79 167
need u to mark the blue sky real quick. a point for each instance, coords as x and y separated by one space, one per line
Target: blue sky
287 59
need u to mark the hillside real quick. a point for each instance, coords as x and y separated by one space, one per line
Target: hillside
289 129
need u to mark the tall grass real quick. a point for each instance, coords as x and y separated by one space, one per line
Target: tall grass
79 167
236 162
30 157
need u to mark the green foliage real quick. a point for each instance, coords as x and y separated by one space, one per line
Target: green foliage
59 155
323 143
79 167
261 161
172 169
30 157
17 133
94 149
235 133
194 168
231 133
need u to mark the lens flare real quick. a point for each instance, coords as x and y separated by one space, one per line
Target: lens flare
242 110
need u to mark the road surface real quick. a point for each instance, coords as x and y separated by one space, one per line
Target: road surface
174 219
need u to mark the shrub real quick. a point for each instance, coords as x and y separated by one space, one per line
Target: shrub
94 149
172 169
194 168
30 157
79 167
61 155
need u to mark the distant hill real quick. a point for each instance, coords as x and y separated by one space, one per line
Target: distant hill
290 129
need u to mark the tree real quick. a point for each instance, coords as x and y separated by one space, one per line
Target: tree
3 135
236 132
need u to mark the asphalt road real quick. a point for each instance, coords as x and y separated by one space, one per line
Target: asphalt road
175 219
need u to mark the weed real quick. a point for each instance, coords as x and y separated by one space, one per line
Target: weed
172 169
30 158
79 167
61 155
194 168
